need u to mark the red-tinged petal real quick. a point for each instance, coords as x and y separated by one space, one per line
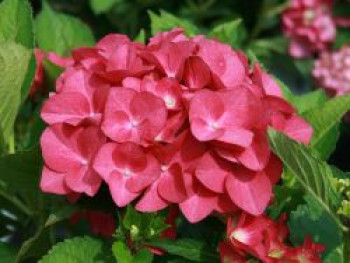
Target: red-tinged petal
112 41
58 148
298 129
225 204
167 88
206 108
90 141
242 108
205 131
118 127
256 156
150 112
196 73
171 57
211 172
151 201
198 206
117 123
83 180
237 136
140 180
70 107
270 86
120 193
248 190
130 156
171 186
190 152
103 163
228 254
171 127
223 62
52 182
279 105
229 152
206 105
59 61
274 169
120 58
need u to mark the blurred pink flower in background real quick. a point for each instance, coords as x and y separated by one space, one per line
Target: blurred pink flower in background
332 71
310 25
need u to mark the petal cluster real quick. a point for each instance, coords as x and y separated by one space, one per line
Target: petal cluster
264 239
332 71
310 25
177 121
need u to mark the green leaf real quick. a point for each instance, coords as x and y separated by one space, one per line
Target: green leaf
141 37
166 21
14 63
143 225
343 37
191 249
38 244
74 250
313 174
7 253
143 256
310 219
27 83
309 100
232 33
325 121
20 174
102 6
60 32
16 23
264 47
121 252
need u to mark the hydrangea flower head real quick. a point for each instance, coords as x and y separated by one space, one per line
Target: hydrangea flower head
180 121
310 26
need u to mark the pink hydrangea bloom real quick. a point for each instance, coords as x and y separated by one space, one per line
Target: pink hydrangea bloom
332 71
310 26
178 121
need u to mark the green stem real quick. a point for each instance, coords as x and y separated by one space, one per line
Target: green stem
12 143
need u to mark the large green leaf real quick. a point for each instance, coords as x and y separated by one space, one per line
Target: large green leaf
191 249
232 33
309 101
121 252
7 253
75 250
143 256
102 6
16 22
14 63
60 32
310 219
313 174
166 21
325 121
20 174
